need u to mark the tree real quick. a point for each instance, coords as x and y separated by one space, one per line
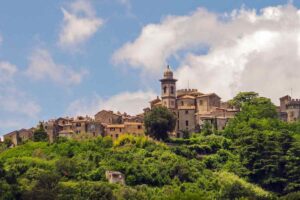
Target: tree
159 122
241 98
45 187
207 128
40 134
293 168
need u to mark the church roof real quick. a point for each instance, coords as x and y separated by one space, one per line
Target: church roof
155 100
186 97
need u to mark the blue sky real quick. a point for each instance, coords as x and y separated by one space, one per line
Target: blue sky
61 58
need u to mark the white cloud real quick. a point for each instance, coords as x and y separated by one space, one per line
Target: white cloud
129 102
246 50
7 71
42 66
79 24
15 101
17 109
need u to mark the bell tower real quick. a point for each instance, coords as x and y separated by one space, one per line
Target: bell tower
168 89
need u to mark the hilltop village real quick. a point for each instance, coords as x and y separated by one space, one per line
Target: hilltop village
191 107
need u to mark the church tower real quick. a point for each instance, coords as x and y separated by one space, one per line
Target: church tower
168 89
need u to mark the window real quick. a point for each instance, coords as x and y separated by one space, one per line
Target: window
112 129
120 130
172 90
165 90
187 123
139 127
200 102
172 103
182 103
186 112
117 135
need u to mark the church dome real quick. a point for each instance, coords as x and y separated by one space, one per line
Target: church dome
168 73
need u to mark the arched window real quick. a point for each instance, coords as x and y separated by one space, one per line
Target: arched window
172 90
165 90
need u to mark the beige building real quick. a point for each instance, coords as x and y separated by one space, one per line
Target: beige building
191 107
108 117
69 127
20 136
116 130
289 109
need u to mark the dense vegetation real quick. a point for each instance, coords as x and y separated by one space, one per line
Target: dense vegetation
159 122
257 156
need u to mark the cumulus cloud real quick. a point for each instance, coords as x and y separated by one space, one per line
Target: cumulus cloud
245 50
17 108
79 24
13 100
42 66
129 102
7 71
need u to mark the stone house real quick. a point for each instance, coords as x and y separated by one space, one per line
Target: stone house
69 127
20 136
289 109
115 177
108 117
116 130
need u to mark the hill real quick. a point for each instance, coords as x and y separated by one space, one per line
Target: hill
257 156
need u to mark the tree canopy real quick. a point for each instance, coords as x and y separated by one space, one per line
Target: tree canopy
159 122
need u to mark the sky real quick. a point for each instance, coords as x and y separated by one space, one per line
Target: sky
76 57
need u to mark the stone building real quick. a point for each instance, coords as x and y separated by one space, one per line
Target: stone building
115 177
116 130
20 136
108 117
289 109
69 127
191 107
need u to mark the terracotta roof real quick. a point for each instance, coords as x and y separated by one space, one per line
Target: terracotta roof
155 100
115 126
158 103
286 96
209 94
186 97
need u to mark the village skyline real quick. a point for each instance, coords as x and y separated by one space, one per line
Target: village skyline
79 57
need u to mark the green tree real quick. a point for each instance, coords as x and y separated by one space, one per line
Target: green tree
293 168
46 187
159 122
40 134
242 98
207 128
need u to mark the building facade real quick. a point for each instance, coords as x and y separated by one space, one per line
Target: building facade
191 107
289 109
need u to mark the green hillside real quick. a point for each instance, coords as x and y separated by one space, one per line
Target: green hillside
257 156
